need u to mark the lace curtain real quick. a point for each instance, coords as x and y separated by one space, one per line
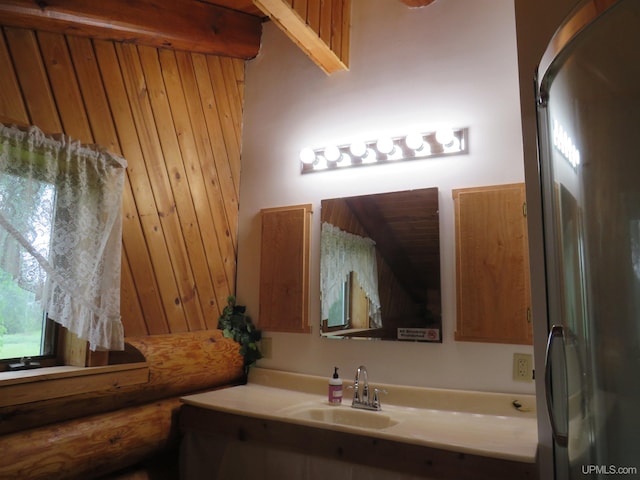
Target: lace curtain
341 253
61 229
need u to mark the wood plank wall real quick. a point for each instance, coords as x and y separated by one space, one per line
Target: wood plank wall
176 118
321 28
330 19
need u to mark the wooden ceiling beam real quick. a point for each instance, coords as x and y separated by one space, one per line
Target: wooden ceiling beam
320 28
177 24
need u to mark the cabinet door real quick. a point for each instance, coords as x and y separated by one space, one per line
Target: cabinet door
492 265
284 269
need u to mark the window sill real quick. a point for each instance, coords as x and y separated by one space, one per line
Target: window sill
27 386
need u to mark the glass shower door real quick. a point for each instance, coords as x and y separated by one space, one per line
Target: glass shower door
589 126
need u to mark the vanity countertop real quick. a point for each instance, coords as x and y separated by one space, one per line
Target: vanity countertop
478 423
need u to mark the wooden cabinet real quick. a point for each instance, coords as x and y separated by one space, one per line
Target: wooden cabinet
492 265
284 269
212 437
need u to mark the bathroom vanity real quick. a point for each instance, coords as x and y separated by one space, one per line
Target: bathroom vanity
280 425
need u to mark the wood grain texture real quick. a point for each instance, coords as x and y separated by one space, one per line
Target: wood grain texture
345 29
103 130
90 447
142 233
319 27
284 267
178 364
12 106
64 86
32 391
180 24
210 203
223 162
206 260
492 267
208 359
176 118
418 460
86 435
229 121
326 16
314 8
32 76
359 304
168 114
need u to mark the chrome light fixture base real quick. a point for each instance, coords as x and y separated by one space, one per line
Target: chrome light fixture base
413 146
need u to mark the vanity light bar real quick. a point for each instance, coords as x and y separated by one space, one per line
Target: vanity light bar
386 150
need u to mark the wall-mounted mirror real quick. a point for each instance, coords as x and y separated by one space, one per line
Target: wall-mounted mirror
380 266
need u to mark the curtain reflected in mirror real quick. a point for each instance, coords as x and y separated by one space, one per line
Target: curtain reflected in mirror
380 266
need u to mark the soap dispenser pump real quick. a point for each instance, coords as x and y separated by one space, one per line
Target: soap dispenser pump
335 388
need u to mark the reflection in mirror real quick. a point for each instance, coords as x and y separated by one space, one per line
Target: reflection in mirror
380 266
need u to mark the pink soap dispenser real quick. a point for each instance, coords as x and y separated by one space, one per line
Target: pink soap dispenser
335 388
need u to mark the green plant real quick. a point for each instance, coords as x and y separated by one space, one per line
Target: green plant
236 325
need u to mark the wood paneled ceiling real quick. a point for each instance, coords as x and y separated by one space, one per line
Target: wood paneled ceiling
405 227
221 27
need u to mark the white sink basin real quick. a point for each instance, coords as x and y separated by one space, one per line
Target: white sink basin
342 415
479 423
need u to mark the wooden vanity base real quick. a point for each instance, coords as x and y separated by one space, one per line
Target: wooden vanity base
373 452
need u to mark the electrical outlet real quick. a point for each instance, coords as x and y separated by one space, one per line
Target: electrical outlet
265 347
523 367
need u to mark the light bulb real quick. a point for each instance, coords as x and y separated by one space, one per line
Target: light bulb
332 153
385 145
358 149
307 156
444 136
414 141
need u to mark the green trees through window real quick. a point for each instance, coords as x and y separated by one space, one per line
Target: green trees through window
22 319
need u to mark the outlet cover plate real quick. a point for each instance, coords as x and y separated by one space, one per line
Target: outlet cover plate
523 367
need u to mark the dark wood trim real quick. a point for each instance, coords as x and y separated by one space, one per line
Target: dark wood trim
179 24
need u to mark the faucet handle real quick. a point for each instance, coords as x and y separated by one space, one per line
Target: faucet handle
376 397
354 387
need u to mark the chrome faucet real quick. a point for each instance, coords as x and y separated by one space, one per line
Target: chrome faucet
361 392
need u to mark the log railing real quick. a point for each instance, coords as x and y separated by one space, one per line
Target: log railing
87 435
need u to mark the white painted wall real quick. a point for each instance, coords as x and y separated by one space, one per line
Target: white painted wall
453 62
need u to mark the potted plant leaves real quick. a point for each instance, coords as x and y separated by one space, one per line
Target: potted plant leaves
235 324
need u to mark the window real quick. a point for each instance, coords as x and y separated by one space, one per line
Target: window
60 241
339 312
25 331
344 255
